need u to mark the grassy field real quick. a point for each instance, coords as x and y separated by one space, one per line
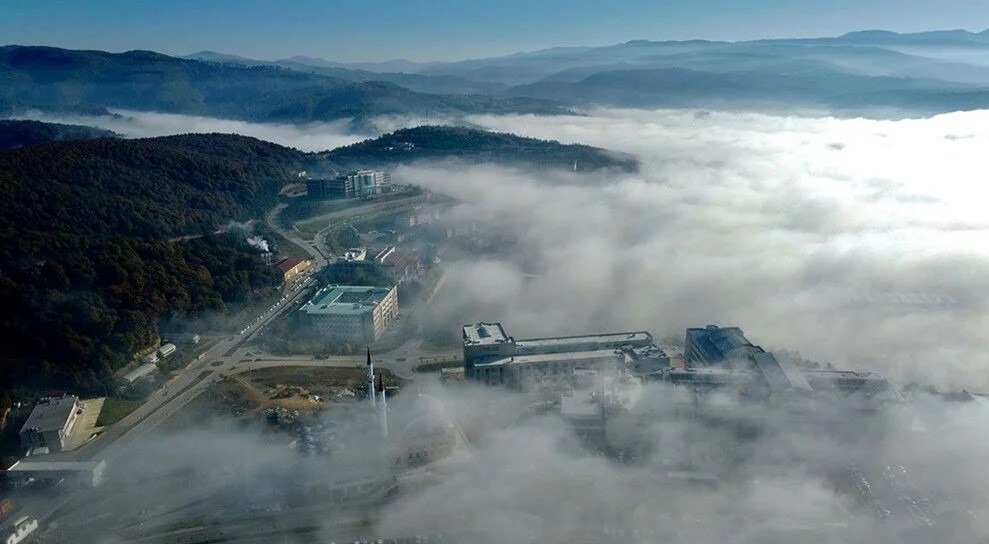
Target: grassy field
310 228
115 409
287 248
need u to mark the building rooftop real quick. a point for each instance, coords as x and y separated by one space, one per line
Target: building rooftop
485 333
780 374
717 343
140 372
345 299
25 465
288 264
355 254
581 404
551 343
50 414
558 357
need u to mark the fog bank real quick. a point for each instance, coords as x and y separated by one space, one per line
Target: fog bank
143 124
854 241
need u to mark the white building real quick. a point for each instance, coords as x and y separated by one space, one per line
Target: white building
144 371
493 357
84 472
22 528
347 313
50 423
369 182
166 350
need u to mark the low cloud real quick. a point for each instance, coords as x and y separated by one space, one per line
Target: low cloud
142 124
854 241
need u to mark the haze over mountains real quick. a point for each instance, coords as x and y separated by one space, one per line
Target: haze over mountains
872 73
48 78
928 72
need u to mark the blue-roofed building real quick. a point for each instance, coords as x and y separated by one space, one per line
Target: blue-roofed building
713 346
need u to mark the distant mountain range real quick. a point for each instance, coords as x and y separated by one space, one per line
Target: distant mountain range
65 80
870 72
858 72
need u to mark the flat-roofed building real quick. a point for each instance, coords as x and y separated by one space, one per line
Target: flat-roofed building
140 373
84 472
347 313
50 423
329 188
361 183
493 357
388 263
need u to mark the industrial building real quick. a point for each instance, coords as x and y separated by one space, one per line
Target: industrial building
387 263
140 373
166 350
291 268
493 357
83 472
346 313
728 347
359 184
723 357
50 423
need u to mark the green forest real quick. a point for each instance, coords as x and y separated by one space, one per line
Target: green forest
18 133
86 266
432 143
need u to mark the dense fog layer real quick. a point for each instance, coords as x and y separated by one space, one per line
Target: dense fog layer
144 124
720 469
854 241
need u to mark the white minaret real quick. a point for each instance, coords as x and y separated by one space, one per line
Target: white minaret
384 406
372 394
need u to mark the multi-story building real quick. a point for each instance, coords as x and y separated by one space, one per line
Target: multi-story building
357 184
369 182
345 313
493 357
51 423
329 188
389 264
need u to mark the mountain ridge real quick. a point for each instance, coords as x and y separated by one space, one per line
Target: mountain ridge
46 77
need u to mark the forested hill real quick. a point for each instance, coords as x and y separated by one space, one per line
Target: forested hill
17 133
432 143
155 187
87 270
49 78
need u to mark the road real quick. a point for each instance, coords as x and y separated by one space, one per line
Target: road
231 355
222 358
321 254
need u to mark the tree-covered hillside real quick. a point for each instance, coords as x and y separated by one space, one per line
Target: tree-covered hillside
86 268
16 133
156 187
431 143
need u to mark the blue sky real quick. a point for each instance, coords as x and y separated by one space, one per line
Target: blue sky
366 30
